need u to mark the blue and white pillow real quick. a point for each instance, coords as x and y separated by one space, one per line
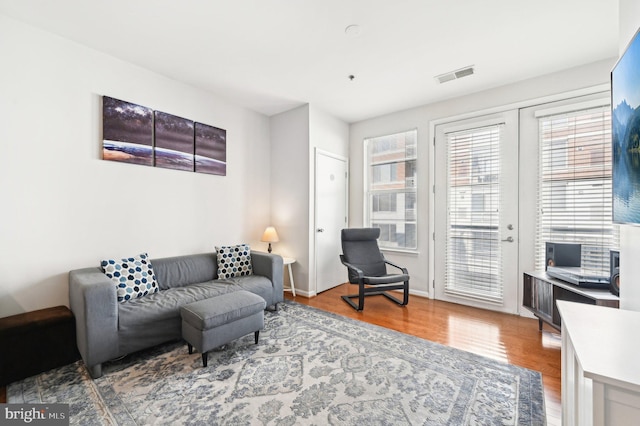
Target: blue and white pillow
234 261
133 276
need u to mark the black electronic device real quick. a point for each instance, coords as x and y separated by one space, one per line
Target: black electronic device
581 277
562 254
563 261
614 268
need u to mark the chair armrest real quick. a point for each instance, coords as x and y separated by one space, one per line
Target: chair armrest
357 270
272 267
93 301
404 270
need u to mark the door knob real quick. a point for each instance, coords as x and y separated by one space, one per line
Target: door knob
508 239
320 230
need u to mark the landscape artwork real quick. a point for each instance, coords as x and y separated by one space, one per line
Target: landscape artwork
625 118
127 132
211 150
174 142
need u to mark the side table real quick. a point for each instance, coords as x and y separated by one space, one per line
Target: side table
288 261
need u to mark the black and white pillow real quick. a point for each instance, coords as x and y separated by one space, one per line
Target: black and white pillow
234 261
133 276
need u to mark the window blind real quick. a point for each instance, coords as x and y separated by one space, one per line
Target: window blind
574 185
474 266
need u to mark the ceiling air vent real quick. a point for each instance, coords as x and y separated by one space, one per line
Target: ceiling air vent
454 75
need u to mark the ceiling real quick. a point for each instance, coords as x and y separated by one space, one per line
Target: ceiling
273 55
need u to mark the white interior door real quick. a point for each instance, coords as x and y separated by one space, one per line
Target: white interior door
476 212
330 218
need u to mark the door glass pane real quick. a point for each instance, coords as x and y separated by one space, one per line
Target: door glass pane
575 187
473 240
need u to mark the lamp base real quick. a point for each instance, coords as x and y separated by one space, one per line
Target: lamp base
269 249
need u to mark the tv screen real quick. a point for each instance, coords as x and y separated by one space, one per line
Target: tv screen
625 130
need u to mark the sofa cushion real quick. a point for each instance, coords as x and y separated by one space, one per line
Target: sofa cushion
179 271
234 261
256 284
134 276
166 303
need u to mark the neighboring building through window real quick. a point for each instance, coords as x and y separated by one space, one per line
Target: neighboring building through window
391 188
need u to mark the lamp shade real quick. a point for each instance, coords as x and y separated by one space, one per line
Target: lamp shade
270 235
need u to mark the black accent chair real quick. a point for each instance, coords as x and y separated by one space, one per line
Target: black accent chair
367 267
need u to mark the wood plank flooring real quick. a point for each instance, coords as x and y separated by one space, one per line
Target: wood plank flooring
504 337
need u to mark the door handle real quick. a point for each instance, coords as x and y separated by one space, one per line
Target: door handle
508 239
320 230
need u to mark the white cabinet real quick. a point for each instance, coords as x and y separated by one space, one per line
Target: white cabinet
600 365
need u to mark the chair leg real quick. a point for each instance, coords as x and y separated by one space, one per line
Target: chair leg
350 302
405 299
371 292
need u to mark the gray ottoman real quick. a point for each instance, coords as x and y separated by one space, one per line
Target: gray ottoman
209 323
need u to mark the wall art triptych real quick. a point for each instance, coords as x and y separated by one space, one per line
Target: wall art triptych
139 135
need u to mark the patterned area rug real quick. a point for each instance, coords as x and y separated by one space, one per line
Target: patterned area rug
310 367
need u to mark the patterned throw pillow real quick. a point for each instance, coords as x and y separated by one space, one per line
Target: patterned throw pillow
133 276
234 261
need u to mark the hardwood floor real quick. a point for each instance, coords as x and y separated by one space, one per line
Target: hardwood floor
507 338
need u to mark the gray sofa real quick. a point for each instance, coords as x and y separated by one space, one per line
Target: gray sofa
107 329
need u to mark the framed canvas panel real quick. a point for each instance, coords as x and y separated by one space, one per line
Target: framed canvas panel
625 130
211 150
127 132
174 142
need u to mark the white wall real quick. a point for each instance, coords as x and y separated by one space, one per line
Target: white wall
328 134
573 79
290 192
629 235
295 134
62 207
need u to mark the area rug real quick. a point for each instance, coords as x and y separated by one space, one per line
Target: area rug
309 368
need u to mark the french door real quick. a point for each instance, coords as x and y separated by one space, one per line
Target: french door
476 212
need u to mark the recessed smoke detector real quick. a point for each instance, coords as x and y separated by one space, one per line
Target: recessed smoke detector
454 75
353 30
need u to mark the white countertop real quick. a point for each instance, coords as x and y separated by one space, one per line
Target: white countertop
606 342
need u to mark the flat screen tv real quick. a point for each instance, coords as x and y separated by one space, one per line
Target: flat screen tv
625 131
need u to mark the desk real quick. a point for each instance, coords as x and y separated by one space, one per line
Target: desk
600 377
288 261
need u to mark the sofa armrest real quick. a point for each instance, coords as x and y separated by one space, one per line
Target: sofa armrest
272 267
93 300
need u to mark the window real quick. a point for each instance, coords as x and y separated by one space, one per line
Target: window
385 173
574 185
391 191
384 202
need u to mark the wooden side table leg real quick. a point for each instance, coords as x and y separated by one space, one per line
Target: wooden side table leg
293 287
